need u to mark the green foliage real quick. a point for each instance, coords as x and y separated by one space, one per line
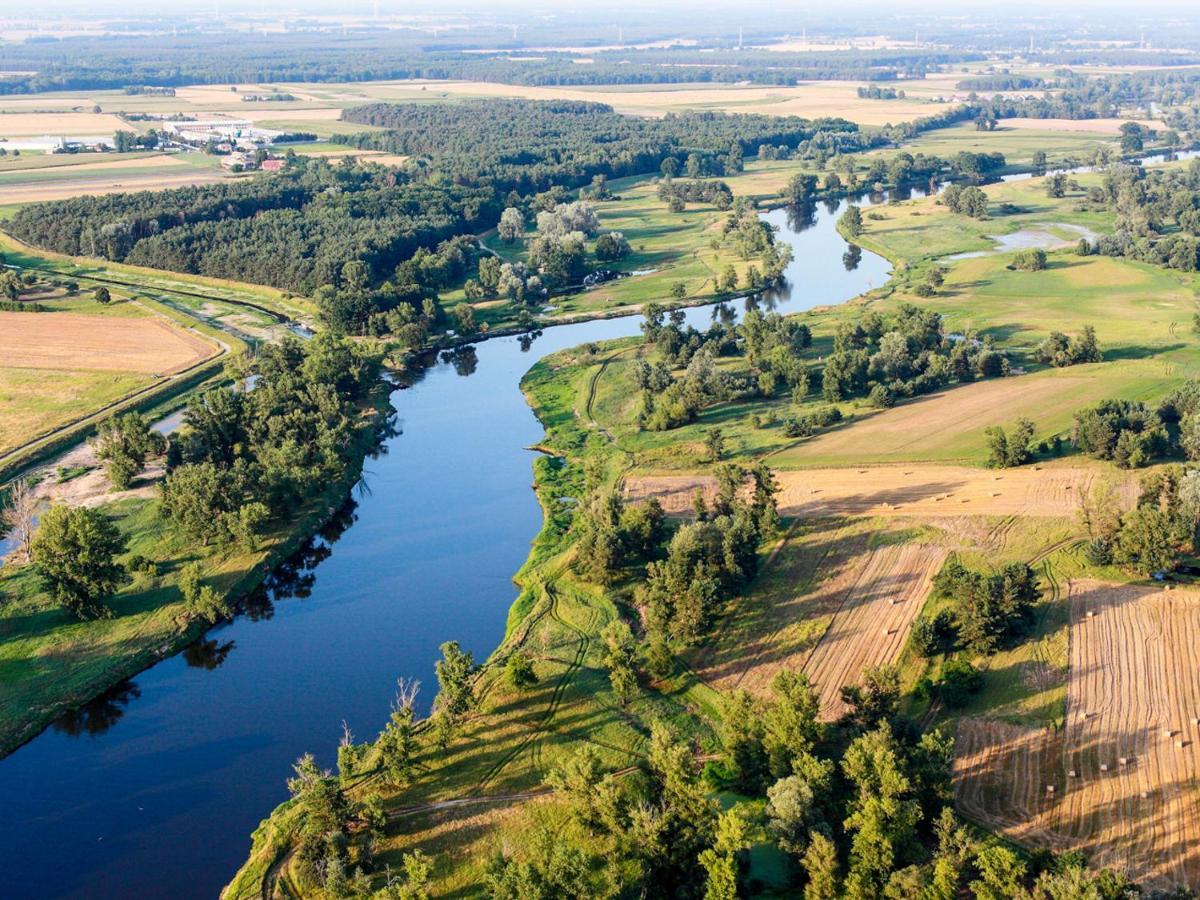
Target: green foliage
1060 350
124 442
991 610
1031 260
75 552
519 671
1006 450
959 681
1124 431
245 457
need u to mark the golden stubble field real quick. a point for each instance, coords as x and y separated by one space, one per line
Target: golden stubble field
1119 781
914 490
63 340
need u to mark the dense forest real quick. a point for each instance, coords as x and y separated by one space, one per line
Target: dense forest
528 145
296 230
89 62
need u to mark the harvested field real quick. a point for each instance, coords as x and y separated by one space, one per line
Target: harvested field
1080 126
99 181
1126 772
73 341
918 490
829 604
1001 772
883 596
38 124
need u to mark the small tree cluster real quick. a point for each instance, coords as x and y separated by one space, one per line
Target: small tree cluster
967 201
1060 351
991 610
1125 431
1008 449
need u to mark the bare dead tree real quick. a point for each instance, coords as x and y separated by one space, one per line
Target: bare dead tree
406 694
19 518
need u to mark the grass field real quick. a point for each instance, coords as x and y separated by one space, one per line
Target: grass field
1019 139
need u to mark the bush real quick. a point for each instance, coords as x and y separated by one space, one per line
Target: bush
519 671
959 681
1029 260
881 397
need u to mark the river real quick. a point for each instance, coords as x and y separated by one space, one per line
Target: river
154 789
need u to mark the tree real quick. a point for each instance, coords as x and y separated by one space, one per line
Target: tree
1001 875
512 225
619 658
876 699
1005 450
714 444
464 318
18 518
397 742
74 551
791 722
851 221
1032 260
1146 541
954 850
1056 185
720 861
800 189
203 602
124 442
102 295
455 673
959 681
883 814
821 866
612 245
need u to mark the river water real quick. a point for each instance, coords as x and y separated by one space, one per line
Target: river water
154 789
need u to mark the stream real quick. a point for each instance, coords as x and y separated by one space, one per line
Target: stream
154 789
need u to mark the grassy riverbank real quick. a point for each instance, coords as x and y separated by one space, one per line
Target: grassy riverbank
51 663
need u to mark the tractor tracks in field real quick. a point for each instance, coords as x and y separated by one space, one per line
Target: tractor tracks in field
543 724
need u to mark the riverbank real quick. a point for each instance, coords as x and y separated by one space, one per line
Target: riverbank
53 664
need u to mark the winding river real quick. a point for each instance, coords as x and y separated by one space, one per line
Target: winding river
154 789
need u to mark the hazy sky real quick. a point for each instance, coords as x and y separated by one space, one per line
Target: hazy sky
774 10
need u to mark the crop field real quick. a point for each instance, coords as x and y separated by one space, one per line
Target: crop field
68 340
1124 770
924 491
32 178
948 426
57 124
834 599
34 401
56 367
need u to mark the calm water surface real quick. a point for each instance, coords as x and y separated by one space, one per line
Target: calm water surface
153 790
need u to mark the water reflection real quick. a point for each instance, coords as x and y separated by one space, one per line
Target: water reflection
525 341
97 716
464 359
207 654
801 217
852 257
